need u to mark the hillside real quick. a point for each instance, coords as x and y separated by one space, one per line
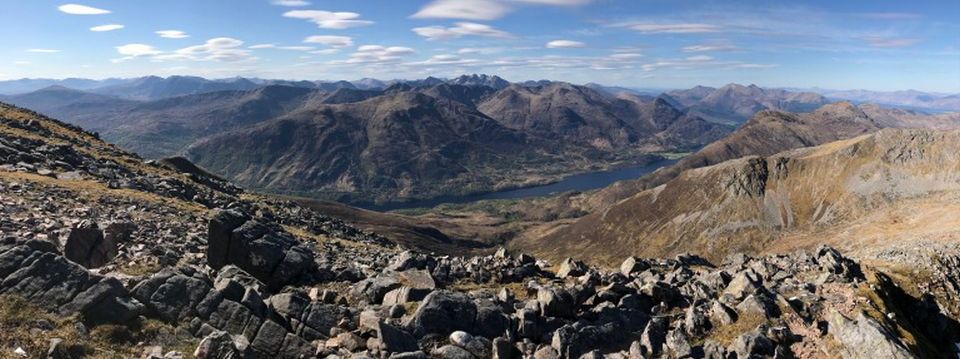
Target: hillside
851 193
105 253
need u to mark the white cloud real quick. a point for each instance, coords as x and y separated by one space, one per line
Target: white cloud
479 50
463 9
76 9
565 44
109 27
137 50
373 54
700 58
44 51
691 28
708 48
262 46
329 20
292 3
330 40
624 56
325 51
220 49
460 29
172 34
481 9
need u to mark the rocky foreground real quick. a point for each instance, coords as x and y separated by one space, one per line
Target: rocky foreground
105 255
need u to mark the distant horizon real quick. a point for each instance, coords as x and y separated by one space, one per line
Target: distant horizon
879 46
630 87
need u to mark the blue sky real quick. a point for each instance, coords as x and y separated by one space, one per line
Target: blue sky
877 45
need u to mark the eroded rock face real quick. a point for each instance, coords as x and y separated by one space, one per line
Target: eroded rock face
263 250
864 338
36 271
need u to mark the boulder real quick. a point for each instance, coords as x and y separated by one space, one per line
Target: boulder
443 312
217 345
633 265
87 246
571 268
265 251
864 338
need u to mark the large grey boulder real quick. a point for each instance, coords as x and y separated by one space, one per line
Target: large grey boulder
265 251
87 245
443 312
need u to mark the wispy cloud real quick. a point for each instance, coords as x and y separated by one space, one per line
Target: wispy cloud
44 51
565 44
330 40
479 50
459 30
109 27
291 3
296 48
445 60
220 49
887 42
262 46
328 19
77 9
481 9
709 48
684 28
172 34
889 15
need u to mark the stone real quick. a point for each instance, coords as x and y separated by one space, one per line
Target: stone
504 349
633 265
743 284
87 246
395 340
571 268
751 343
452 352
864 338
556 302
654 337
442 312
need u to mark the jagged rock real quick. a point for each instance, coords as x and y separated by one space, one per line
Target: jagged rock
504 349
556 302
217 345
443 312
678 344
633 265
268 253
654 337
395 340
571 268
752 343
87 246
743 284
758 304
865 338
546 352
174 294
721 314
34 270
452 352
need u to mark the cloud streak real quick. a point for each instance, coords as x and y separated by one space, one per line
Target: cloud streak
104 28
77 9
172 34
459 30
565 44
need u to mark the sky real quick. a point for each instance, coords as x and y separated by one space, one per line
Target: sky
850 44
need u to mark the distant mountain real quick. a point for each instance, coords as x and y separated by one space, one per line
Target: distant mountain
79 107
850 193
153 87
12 87
494 82
334 85
369 84
910 98
404 144
734 104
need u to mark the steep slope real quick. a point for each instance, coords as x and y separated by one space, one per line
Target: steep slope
851 193
494 82
404 144
770 132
